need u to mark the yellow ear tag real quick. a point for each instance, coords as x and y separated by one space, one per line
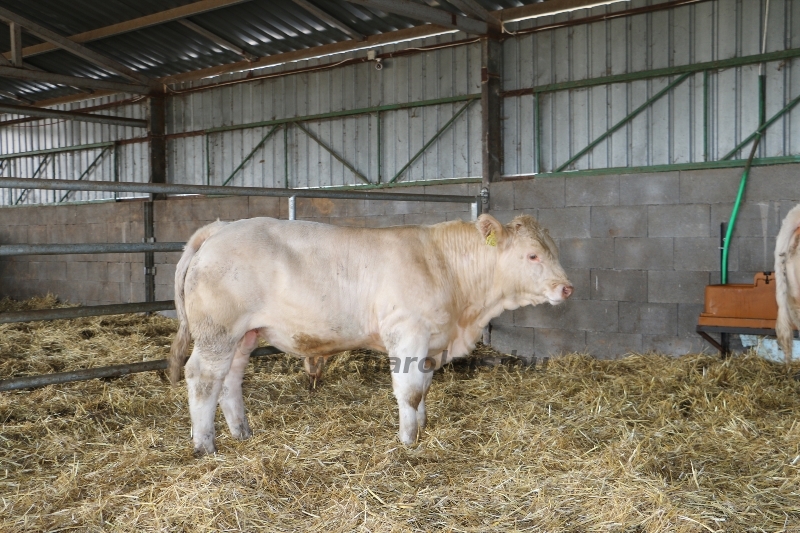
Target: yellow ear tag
491 239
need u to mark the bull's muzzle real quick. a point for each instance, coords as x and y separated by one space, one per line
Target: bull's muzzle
567 291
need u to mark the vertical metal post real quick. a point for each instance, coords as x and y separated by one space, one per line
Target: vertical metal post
762 106
491 108
286 156
149 257
293 208
537 124
156 131
706 150
379 145
208 159
116 167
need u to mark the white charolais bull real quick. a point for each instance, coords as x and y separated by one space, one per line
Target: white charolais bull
787 280
313 290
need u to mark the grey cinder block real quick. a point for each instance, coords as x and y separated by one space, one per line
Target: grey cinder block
566 223
755 254
692 220
592 315
506 339
610 345
619 221
675 286
648 318
778 182
687 319
592 191
755 219
501 195
539 192
550 342
649 189
701 253
586 253
710 186
619 285
643 253
672 345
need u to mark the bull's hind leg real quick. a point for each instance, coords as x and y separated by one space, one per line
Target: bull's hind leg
231 399
205 372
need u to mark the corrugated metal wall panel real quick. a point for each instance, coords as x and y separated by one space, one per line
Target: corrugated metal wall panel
451 71
132 159
671 130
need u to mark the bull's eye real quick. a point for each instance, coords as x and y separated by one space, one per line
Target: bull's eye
533 257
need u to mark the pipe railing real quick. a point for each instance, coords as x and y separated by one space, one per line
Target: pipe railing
172 188
149 247
63 313
114 371
89 248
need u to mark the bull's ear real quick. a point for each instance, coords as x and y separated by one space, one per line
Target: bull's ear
491 230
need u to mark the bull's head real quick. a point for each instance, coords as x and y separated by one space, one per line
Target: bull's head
528 269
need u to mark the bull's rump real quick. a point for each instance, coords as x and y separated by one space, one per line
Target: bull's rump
310 288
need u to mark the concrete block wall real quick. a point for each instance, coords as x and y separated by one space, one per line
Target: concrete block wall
90 279
640 249
119 278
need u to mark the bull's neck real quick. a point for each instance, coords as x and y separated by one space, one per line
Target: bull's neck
472 265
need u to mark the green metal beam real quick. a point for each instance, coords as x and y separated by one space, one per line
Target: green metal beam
658 73
763 127
75 148
706 136
251 154
431 141
42 165
349 112
88 170
671 167
330 150
624 121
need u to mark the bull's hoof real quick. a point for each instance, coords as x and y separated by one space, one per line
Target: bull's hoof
202 451
243 432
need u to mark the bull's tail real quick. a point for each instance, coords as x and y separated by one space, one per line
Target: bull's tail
178 352
786 247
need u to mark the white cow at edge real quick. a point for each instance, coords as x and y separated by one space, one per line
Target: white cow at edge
313 290
787 280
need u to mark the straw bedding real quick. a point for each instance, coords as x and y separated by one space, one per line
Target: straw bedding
644 443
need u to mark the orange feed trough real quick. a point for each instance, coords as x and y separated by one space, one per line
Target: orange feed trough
741 305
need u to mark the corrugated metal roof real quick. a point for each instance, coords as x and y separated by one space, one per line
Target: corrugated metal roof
260 27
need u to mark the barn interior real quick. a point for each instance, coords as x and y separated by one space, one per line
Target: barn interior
654 139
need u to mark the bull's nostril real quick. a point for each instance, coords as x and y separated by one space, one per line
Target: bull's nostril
567 290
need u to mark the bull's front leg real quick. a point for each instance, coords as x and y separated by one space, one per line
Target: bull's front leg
412 373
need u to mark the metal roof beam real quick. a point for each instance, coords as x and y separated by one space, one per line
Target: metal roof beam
161 17
424 13
329 20
75 81
72 115
211 36
71 46
474 9
551 7
16 44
